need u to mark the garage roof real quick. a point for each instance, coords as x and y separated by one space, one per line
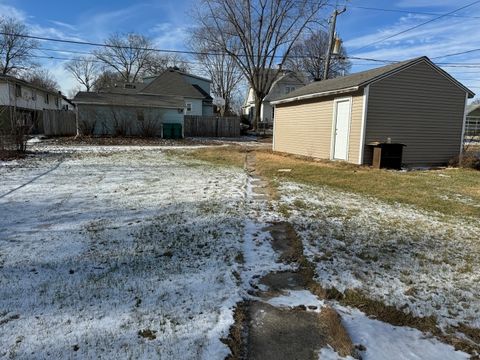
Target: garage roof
136 100
354 82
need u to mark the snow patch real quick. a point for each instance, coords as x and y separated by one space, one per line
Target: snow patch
294 298
384 341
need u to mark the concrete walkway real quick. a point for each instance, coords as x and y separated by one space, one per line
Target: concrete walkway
270 329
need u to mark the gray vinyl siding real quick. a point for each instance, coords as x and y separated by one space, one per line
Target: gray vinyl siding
104 119
420 108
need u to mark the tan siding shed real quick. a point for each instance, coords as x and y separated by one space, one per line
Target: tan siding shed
412 102
305 128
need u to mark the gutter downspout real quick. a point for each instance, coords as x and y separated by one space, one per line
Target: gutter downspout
366 93
460 157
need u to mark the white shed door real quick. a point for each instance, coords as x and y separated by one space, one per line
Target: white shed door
342 127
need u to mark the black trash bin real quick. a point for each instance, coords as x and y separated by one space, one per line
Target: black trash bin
387 155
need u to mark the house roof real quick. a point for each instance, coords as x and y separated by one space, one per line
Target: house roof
121 89
203 92
180 72
26 83
68 100
472 107
172 82
356 81
136 100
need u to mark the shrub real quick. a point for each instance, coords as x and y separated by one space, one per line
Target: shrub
470 160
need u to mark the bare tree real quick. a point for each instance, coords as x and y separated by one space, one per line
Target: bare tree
84 70
158 63
222 69
259 35
308 56
15 48
74 91
42 78
127 55
107 79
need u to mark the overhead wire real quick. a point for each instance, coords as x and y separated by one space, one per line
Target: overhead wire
416 26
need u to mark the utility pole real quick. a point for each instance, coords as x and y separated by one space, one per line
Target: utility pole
333 24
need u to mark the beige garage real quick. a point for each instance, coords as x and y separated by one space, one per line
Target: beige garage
413 102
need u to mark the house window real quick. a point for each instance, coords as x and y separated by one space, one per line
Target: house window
47 98
56 101
189 107
18 90
289 89
34 95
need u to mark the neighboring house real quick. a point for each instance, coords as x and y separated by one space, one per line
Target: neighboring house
286 83
473 110
158 100
472 127
413 102
27 100
67 104
194 89
127 114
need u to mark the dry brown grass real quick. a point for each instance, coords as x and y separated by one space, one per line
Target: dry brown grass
433 190
236 340
337 336
221 155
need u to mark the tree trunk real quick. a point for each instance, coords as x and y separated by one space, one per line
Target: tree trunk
258 112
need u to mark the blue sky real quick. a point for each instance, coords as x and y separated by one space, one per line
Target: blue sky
167 21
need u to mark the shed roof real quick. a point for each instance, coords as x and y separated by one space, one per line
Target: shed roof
355 81
136 100
172 82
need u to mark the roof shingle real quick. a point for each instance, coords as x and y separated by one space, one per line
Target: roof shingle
137 100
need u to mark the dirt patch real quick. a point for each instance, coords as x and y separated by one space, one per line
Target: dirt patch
9 155
148 334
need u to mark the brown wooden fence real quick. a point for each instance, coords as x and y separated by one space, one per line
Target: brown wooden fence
211 126
59 123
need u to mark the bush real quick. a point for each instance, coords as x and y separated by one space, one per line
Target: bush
470 160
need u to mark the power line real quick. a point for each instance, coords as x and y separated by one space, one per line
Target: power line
184 51
455 54
412 12
417 26
374 61
88 43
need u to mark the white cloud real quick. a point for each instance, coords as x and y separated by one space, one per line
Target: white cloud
169 36
64 25
10 11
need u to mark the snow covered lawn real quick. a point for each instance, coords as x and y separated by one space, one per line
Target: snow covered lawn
124 254
421 262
